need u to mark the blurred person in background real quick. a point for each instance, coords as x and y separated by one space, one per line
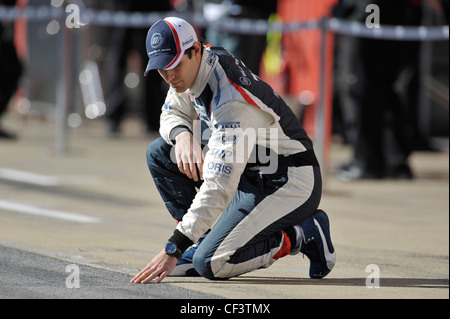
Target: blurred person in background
379 90
291 62
247 47
10 67
125 44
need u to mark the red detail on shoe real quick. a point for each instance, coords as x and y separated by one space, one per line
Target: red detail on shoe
285 248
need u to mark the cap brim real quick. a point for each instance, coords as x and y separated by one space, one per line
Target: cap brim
158 62
161 62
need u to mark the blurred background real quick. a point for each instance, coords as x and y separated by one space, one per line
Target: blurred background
75 63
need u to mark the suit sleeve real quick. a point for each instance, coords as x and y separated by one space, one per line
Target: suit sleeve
177 115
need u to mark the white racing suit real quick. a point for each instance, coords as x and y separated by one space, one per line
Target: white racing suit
260 172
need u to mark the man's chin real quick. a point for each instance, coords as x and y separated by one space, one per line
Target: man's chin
179 89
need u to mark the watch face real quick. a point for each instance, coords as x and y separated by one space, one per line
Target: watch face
171 248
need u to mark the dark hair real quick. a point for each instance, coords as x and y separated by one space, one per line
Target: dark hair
189 51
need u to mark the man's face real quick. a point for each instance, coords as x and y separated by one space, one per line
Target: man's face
183 76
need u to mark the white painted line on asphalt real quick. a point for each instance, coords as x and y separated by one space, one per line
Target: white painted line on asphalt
29 178
32 210
43 180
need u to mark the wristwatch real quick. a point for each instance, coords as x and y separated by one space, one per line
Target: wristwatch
172 250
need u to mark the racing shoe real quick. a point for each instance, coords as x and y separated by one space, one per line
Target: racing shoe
317 245
184 266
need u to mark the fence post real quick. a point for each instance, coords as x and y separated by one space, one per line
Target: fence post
322 111
63 90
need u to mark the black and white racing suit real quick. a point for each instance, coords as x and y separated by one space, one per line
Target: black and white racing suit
260 172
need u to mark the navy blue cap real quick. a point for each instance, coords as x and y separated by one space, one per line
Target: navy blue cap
167 40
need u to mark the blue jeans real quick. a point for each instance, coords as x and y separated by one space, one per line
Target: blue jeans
250 232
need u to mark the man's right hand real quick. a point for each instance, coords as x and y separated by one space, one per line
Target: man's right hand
189 155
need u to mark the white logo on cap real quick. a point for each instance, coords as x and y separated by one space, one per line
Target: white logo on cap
189 40
157 40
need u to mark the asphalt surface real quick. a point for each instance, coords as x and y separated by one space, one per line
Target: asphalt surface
27 275
96 207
